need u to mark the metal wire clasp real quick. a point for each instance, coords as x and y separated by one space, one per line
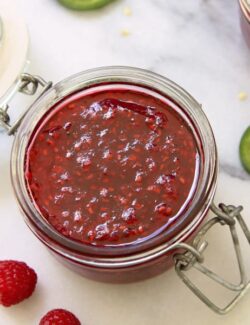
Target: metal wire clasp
193 256
28 85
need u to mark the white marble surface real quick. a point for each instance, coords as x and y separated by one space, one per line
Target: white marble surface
198 44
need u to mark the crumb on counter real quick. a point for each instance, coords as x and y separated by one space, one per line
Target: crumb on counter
127 11
125 32
242 96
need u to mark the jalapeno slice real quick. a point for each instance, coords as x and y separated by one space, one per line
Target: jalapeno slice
245 149
84 4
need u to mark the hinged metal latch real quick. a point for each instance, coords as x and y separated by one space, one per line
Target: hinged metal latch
193 256
28 84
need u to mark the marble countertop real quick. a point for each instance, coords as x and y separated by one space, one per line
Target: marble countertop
196 43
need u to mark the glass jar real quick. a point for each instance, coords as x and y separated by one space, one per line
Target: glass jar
245 19
180 245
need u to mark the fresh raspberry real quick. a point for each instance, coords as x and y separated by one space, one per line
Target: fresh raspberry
59 317
17 282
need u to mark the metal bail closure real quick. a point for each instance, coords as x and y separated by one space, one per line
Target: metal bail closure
28 85
193 257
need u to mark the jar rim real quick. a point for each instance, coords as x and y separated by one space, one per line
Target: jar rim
203 196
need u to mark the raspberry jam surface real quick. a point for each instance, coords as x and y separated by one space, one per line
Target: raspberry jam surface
112 165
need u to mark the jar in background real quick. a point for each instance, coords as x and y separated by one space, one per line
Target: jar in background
245 19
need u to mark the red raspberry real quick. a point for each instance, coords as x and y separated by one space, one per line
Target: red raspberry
17 282
59 317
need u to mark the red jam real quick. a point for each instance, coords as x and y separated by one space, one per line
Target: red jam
112 165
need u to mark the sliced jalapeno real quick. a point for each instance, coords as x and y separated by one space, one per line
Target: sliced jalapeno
245 149
84 4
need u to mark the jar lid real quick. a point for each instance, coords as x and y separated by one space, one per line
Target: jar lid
14 42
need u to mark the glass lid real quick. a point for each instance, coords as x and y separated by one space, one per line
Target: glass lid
13 48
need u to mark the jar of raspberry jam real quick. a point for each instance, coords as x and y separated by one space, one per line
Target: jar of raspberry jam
115 171
245 19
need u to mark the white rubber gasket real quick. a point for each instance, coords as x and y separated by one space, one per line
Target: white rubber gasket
13 48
